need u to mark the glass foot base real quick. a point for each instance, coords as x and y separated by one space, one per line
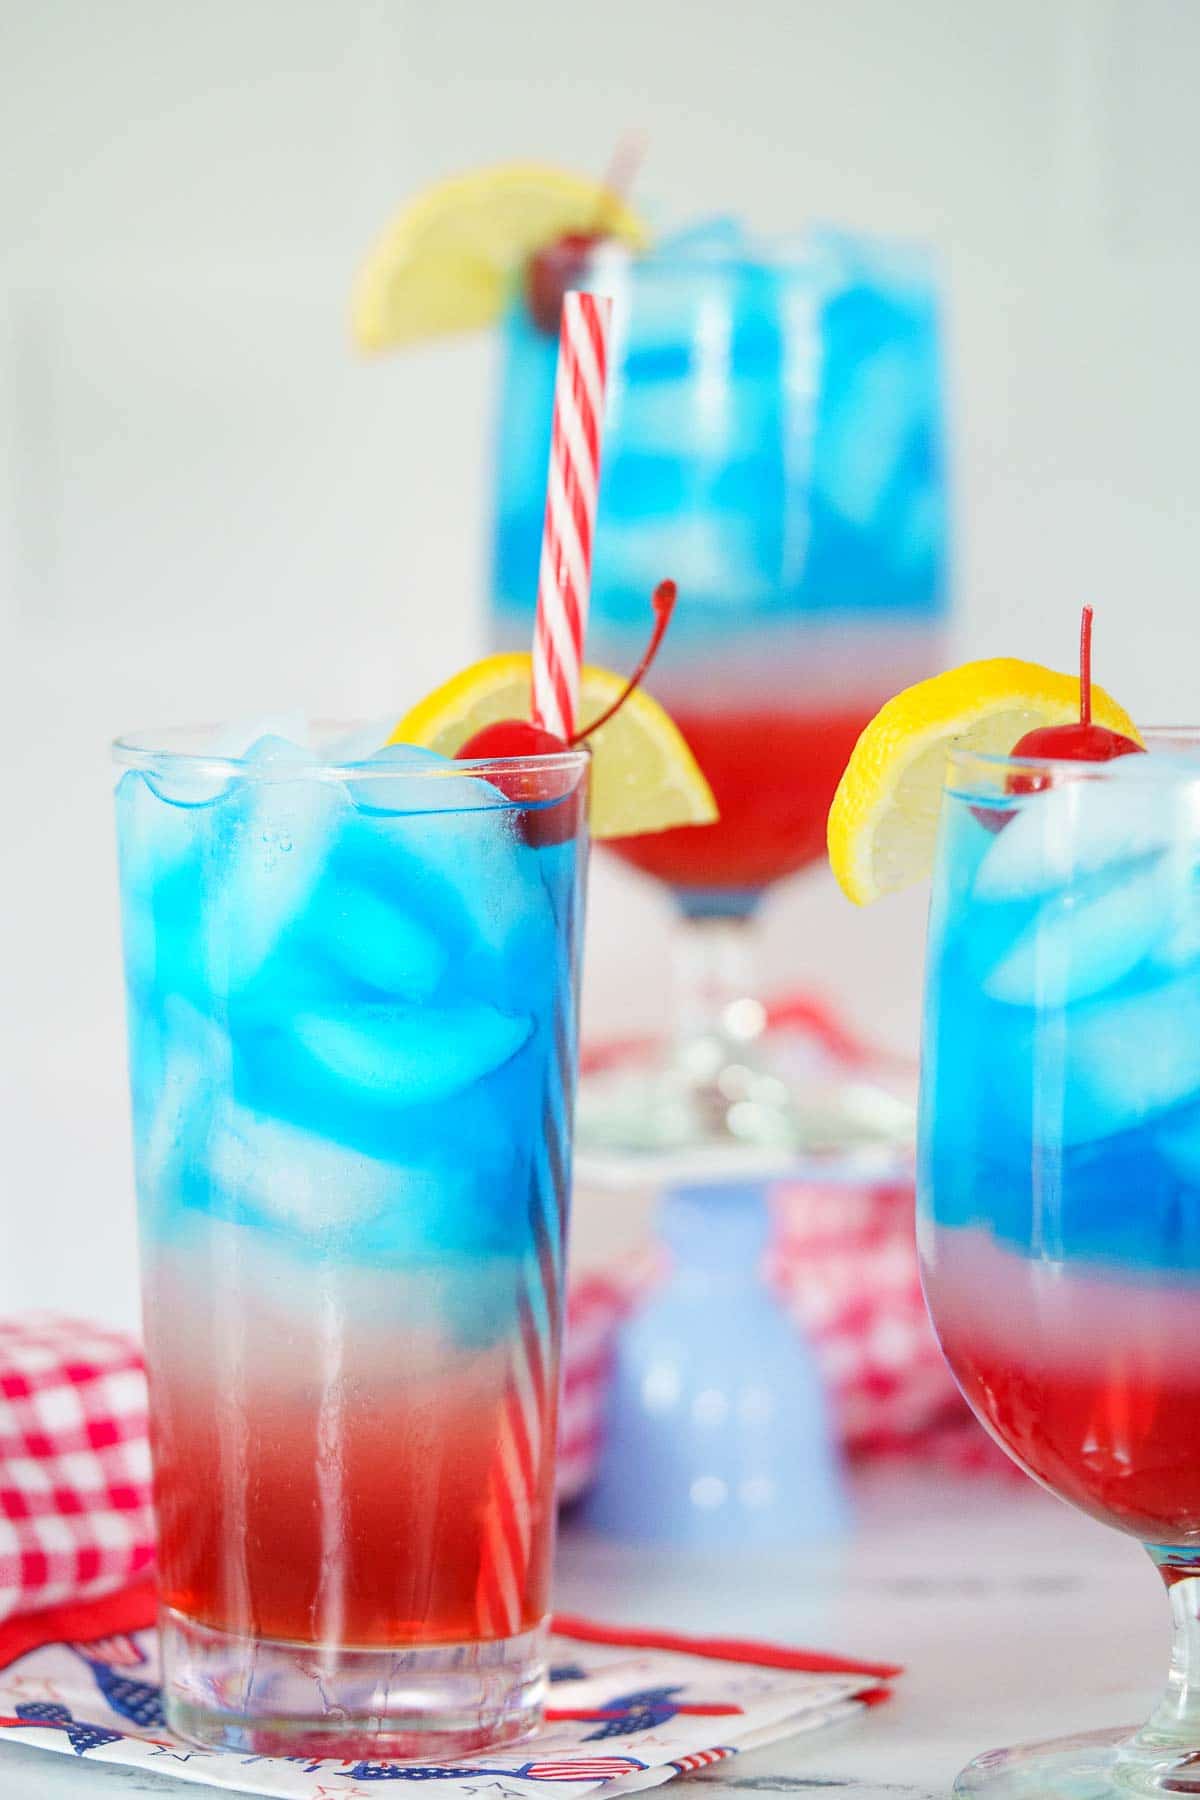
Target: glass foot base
273 1698
740 1111
1097 1765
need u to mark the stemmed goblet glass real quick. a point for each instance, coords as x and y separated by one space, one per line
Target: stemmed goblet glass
773 443
1059 1178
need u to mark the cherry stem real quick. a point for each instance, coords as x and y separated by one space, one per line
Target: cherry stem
663 602
1085 667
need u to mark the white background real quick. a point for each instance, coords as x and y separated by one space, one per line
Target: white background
209 507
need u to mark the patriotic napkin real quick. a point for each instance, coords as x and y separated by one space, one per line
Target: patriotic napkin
627 1710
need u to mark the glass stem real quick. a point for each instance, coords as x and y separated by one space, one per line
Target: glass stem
1176 1718
715 1008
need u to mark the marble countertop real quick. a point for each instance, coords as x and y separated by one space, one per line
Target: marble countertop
1015 1618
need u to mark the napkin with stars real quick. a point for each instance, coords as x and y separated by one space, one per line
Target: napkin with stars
627 1709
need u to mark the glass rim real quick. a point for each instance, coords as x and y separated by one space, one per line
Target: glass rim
152 751
805 251
990 766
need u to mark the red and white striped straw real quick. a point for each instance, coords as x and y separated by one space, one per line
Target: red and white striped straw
520 1483
565 575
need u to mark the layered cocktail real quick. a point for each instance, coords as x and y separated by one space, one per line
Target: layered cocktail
1059 1160
351 990
775 440
1060 1171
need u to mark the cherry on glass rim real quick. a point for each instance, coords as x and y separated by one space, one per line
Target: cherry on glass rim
551 271
560 264
1079 740
1084 741
522 737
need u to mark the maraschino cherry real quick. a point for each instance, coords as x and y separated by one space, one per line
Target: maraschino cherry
519 738
553 269
560 264
511 737
1084 741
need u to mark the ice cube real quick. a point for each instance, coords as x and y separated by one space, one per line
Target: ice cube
1077 944
161 853
319 1199
1083 828
274 836
448 846
268 1173
373 940
186 785
154 835
363 743
1179 945
276 750
1177 1140
189 1057
1114 1063
395 1056
238 741
412 790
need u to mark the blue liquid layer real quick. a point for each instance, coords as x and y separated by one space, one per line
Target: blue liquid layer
1061 1062
774 440
351 1022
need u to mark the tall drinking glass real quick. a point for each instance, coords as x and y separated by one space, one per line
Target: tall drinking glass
1059 1177
351 1005
774 443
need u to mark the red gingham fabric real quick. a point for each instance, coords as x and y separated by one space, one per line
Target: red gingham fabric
844 1263
75 1515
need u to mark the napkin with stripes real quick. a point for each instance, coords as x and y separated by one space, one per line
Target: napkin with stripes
626 1710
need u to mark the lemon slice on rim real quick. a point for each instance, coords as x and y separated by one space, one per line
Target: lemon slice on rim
644 777
883 821
448 259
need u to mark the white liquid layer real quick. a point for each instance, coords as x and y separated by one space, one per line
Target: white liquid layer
1077 1318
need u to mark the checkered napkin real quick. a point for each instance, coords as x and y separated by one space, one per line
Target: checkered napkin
622 1715
75 1517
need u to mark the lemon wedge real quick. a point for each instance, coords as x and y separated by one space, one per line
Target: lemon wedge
644 777
883 821
447 261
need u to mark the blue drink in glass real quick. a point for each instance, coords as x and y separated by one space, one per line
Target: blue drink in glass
774 443
1059 1173
351 1001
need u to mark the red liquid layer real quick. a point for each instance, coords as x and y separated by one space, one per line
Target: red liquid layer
1119 1443
773 772
360 1520
1089 1377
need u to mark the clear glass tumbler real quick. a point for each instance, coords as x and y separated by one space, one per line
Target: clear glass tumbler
351 1005
1059 1177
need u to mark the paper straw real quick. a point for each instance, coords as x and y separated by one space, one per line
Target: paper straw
519 1480
573 482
